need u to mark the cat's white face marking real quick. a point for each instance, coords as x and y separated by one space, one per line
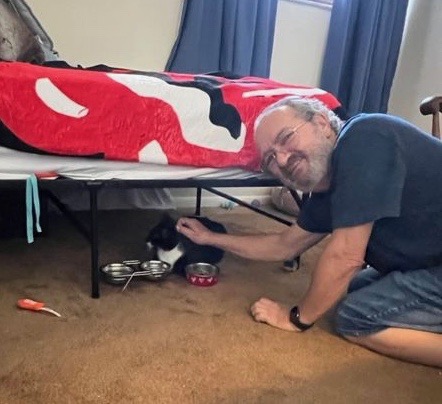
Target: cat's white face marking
171 256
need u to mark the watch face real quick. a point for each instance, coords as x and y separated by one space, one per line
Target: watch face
294 315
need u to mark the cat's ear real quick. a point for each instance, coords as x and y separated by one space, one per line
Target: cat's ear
170 218
165 218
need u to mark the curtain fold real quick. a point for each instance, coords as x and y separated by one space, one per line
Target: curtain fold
362 51
234 36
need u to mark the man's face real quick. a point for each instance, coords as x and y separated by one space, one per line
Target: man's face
297 152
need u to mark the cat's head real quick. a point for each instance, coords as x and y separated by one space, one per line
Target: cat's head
164 235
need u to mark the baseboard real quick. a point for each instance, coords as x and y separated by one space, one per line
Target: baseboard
211 200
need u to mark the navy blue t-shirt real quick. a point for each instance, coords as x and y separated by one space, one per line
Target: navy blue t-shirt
386 171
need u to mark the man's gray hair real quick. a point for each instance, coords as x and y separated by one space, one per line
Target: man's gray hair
305 109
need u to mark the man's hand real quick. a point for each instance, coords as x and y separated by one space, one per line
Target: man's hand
194 229
272 313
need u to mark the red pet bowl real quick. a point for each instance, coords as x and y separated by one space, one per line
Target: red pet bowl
202 274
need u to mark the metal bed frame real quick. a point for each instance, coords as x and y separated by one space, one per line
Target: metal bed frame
91 231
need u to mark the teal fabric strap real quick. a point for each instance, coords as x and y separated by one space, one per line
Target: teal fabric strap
32 201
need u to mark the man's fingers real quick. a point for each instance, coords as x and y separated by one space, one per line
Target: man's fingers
270 312
259 311
184 223
257 315
262 303
260 318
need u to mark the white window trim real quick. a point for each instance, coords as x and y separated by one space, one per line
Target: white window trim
326 4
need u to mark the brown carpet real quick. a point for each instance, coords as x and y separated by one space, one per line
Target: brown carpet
173 342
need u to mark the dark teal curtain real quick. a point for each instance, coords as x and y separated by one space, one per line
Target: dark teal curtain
233 36
362 51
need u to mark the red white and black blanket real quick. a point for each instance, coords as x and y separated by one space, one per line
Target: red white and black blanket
120 114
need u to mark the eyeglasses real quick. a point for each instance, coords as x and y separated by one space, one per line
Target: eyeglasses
282 140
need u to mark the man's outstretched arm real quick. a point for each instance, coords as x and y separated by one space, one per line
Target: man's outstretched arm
269 247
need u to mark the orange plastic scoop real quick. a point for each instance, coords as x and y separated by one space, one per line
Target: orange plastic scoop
29 304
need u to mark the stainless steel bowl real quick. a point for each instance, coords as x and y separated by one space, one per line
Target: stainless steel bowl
202 269
154 270
116 273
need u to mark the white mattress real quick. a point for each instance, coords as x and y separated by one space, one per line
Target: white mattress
19 165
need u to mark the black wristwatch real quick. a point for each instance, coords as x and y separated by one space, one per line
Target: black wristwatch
294 319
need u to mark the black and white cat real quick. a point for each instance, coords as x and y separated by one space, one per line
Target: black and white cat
176 249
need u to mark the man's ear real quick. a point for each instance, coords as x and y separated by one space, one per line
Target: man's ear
322 122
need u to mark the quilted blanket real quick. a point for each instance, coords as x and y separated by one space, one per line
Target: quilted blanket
203 120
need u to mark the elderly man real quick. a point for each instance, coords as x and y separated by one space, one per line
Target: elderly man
376 187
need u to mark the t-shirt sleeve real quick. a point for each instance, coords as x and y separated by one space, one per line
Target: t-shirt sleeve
315 214
368 176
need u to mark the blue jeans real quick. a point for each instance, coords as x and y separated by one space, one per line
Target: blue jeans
375 302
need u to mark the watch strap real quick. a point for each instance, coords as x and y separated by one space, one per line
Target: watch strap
295 320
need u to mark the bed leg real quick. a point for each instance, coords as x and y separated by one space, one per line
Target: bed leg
95 274
198 202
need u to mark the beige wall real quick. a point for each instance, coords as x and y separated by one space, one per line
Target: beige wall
137 34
